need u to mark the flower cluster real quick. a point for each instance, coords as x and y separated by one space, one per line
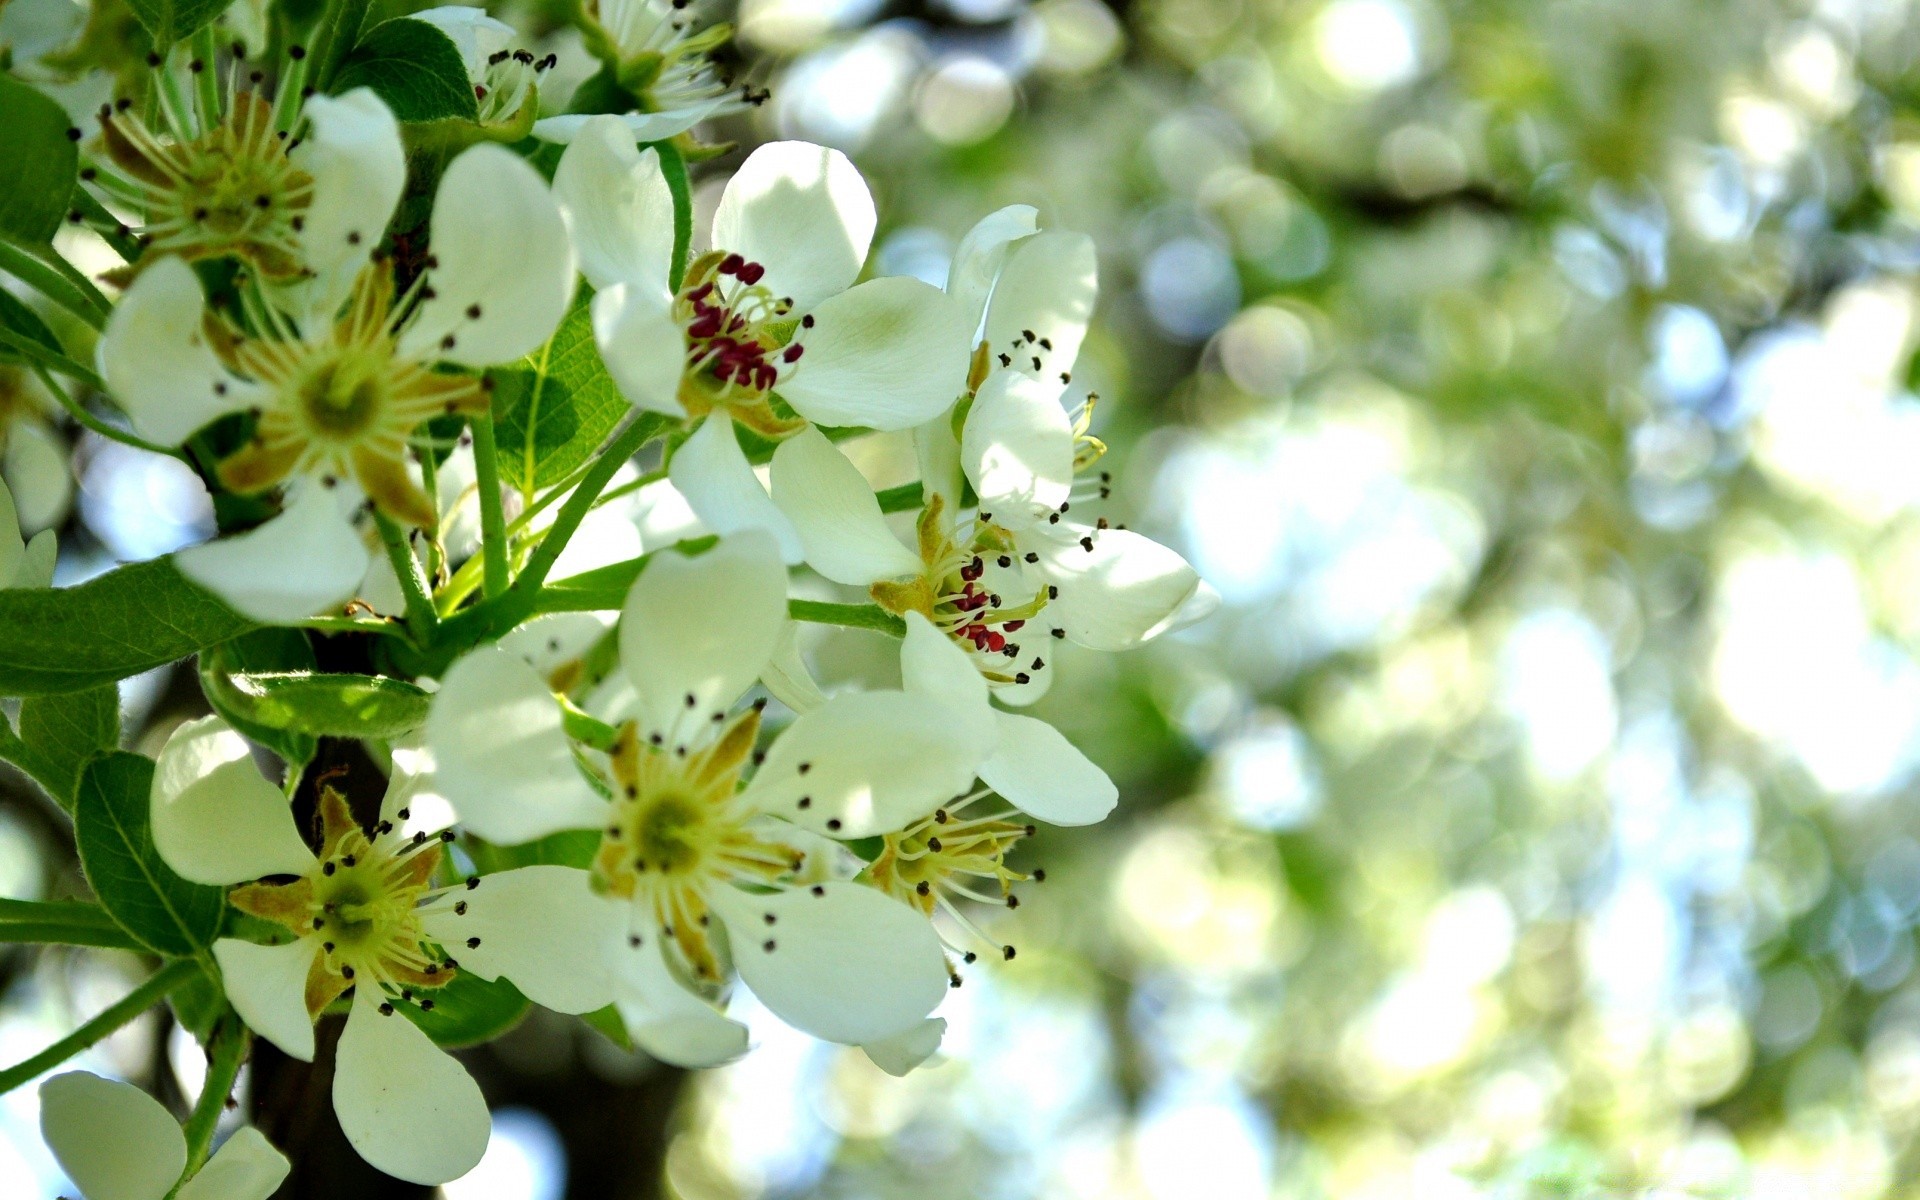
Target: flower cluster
613 786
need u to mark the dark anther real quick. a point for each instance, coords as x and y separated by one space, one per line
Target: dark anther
327 869
473 312
767 945
1039 874
73 135
833 823
296 53
473 881
446 343
806 802
386 1010
817 890
346 972
460 909
1086 543
933 844
923 888
473 943
1006 952
426 1006
353 237
1013 902
970 957
769 918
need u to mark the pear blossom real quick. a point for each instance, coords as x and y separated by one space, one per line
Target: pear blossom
341 368
505 79
710 869
118 1143
768 328
658 53
367 915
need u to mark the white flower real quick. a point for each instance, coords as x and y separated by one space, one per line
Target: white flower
772 310
118 1143
337 395
366 916
23 564
660 58
505 80
34 463
683 842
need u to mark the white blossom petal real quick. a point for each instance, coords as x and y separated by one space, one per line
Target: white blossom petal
246 1168
1017 448
1046 289
1038 771
933 665
641 127
802 212
156 361
668 1021
112 1139
38 470
618 206
888 354
267 986
874 762
501 755
835 513
404 1103
353 152
787 678
981 254
696 632
937 451
840 961
502 252
644 350
544 929
901 1053
36 565
215 818
1118 588
473 33
306 560
713 474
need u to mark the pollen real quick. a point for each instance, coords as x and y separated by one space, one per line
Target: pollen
741 338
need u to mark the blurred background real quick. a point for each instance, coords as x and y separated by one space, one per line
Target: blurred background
1537 817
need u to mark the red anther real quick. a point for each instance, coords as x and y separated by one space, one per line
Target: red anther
793 353
731 264
751 273
995 642
1013 626
700 293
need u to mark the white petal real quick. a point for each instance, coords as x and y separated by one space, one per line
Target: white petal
696 632
502 249
473 33
888 354
668 1021
544 929
215 817
644 350
1117 594
641 127
156 361
37 469
712 472
306 560
981 254
802 212
246 1168
937 451
547 643
112 1139
932 664
848 964
835 513
404 1103
876 761
501 755
267 986
1047 288
787 676
1203 603
1041 773
1017 448
1019 695
901 1053
618 207
359 169
36 565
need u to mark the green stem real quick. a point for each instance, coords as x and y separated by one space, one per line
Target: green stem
105 224
413 585
226 1051
206 81
629 487
674 168
642 429
905 498
853 616
493 517
51 933
586 728
87 420
139 1000
56 279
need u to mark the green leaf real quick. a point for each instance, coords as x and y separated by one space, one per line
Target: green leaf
170 21
168 914
271 649
58 734
469 1010
415 68
358 706
18 319
41 160
129 620
568 848
607 1023
197 1004
551 413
